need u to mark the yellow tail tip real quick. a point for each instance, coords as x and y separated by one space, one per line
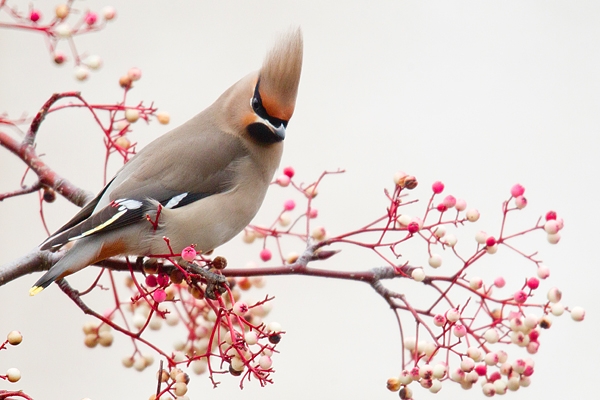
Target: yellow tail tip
35 290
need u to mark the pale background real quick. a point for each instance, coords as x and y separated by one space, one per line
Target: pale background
478 94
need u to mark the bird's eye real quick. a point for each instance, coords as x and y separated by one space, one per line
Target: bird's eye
256 105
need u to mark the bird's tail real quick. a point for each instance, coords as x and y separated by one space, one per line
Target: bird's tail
82 254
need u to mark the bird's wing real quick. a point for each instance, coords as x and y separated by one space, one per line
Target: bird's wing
207 166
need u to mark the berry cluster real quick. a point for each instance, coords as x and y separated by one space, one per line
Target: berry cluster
65 23
470 324
222 334
13 338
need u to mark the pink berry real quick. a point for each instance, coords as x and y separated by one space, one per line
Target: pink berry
289 205
159 295
35 15
437 187
188 254
520 297
517 190
91 18
413 227
313 213
499 282
461 205
550 215
521 202
441 207
490 241
459 330
265 255
151 281
439 320
283 180
135 74
449 201
289 172
533 283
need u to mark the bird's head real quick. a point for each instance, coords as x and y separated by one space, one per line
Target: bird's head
262 103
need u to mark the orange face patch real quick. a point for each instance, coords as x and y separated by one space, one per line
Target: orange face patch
276 108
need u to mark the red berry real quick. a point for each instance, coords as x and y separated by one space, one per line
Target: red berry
413 227
490 241
151 281
534 335
481 369
35 15
494 376
162 279
550 215
289 171
441 207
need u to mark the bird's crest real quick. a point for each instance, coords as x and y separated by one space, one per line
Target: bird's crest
280 75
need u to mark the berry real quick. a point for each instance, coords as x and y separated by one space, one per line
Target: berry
35 15
265 255
449 201
517 190
109 13
499 282
59 57
289 205
91 18
61 11
159 295
63 30
439 320
490 241
135 74
460 331
289 172
521 202
81 73
132 115
578 314
413 227
13 375
283 180
14 338
520 297
437 187
472 215
151 281
188 254
163 118
550 215
435 260
418 274
533 283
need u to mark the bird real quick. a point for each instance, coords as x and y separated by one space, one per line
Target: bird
199 184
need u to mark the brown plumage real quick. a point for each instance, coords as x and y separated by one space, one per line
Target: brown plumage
209 176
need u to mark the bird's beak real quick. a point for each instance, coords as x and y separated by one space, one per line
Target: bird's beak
279 131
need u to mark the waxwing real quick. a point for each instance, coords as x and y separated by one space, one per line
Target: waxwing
199 184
